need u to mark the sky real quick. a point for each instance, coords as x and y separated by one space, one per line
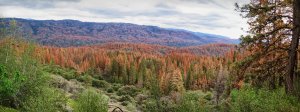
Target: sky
207 16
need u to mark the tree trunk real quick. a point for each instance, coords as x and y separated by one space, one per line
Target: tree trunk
293 48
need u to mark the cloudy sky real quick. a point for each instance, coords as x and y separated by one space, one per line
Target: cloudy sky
209 16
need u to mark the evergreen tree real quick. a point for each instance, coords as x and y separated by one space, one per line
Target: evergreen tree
123 74
293 60
114 71
188 81
270 28
142 72
176 81
132 74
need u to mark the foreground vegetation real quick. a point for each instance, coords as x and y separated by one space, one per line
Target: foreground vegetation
29 84
31 90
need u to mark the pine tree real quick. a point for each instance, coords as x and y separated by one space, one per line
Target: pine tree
176 81
270 29
220 83
187 82
132 74
293 60
114 70
142 73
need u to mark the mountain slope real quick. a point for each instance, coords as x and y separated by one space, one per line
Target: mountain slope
74 33
201 50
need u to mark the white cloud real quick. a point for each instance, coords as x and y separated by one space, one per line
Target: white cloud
208 16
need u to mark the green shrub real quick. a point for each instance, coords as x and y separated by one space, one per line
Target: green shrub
109 90
5 109
49 100
131 107
126 98
193 101
128 90
151 105
87 79
208 96
116 86
91 101
261 100
100 83
140 98
167 104
98 76
57 70
9 85
69 75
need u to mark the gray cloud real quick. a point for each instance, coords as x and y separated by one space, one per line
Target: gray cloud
122 14
219 3
37 4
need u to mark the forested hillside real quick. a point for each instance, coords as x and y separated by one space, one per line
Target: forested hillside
65 33
204 50
131 67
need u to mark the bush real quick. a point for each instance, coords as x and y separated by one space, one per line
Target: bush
116 86
128 90
261 100
151 105
193 101
140 98
87 79
109 90
131 107
97 75
126 98
9 85
50 100
64 72
5 109
162 105
100 83
91 101
167 104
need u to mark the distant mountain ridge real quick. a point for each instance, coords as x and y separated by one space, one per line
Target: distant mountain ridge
64 33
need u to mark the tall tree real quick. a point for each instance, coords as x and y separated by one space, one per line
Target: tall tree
114 71
132 74
292 65
176 81
270 27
